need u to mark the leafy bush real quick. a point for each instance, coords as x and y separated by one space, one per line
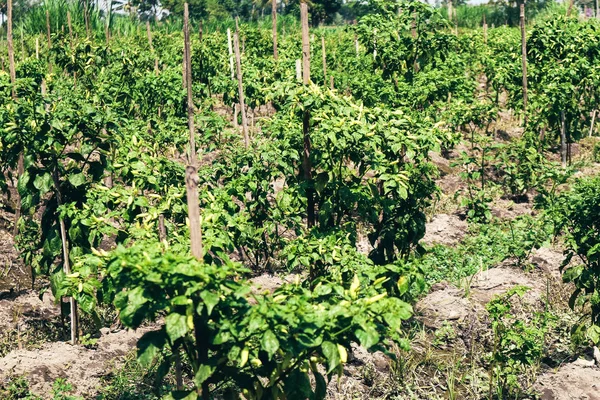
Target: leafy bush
577 214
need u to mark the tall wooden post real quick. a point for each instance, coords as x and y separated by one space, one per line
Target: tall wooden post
11 49
238 63
86 17
13 78
450 10
324 59
70 27
306 162
274 19
356 44
305 44
485 28
191 172
149 35
48 29
299 70
230 48
524 60
563 140
66 261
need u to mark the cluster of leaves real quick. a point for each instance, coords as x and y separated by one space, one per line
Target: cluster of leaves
576 214
518 346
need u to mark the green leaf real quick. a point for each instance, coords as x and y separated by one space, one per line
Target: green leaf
593 333
43 183
149 345
181 395
297 386
22 183
269 343
368 338
320 386
176 325
210 300
77 179
331 353
204 372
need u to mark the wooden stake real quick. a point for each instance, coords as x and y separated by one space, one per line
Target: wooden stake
306 162
149 34
191 172
324 59
563 140
524 60
374 44
274 22
299 70
70 28
570 8
305 44
86 17
66 261
37 48
356 44
593 120
485 27
238 64
11 50
236 111
13 78
48 29
22 44
331 82
230 47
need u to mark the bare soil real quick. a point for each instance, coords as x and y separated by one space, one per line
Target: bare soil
82 367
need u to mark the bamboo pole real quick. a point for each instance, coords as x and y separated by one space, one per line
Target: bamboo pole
524 60
191 173
238 64
306 162
324 59
274 22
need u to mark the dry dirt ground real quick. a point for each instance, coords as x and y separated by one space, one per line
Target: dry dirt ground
366 376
